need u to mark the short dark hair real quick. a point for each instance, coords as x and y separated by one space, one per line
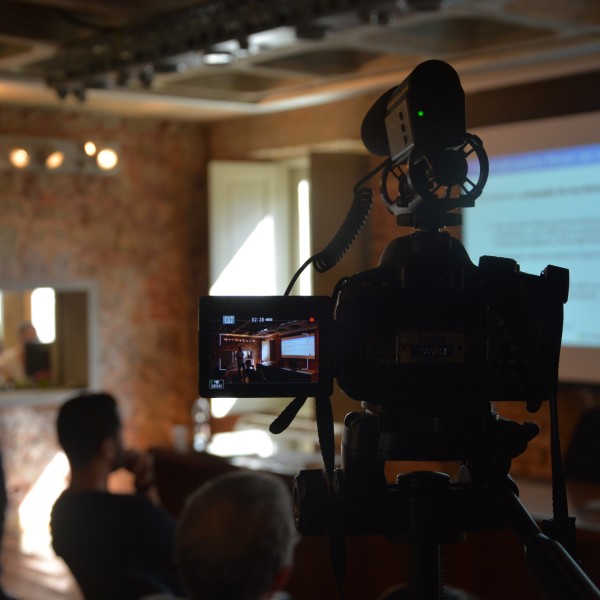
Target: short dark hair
84 422
234 535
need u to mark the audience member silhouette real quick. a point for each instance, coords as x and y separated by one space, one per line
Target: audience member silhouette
251 374
118 546
235 538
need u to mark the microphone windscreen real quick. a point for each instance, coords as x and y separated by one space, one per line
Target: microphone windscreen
373 131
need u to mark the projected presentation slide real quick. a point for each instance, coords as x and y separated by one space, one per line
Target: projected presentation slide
544 208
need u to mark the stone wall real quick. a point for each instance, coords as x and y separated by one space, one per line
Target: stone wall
140 238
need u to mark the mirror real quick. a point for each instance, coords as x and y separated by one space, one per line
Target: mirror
44 338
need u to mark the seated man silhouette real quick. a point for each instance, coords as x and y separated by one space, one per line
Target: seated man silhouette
118 546
235 538
251 374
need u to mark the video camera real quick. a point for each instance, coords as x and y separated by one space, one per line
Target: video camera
426 341
426 330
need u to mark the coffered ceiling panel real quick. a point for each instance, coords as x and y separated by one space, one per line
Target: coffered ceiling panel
217 58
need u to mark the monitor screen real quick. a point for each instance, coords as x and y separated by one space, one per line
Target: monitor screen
252 346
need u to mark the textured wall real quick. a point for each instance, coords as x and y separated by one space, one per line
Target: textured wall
139 237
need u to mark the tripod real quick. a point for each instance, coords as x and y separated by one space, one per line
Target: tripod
425 509
556 572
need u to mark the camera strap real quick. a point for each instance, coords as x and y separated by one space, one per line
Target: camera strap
282 421
562 526
325 430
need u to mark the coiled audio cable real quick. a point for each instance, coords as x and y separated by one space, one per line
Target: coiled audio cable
346 234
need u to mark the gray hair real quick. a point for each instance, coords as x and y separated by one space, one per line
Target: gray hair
235 534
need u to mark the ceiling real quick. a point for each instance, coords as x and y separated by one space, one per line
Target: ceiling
153 57
267 330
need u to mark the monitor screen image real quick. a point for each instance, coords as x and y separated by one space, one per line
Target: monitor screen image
298 346
264 347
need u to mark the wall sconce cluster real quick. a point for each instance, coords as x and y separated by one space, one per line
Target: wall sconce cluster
58 155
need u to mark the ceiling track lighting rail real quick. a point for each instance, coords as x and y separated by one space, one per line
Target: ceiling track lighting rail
140 48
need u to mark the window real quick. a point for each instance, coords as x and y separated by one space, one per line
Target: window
304 242
43 316
259 234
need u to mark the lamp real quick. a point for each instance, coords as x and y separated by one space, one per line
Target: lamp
54 159
216 56
107 159
19 157
44 155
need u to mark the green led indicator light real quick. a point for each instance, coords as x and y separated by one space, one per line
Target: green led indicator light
420 113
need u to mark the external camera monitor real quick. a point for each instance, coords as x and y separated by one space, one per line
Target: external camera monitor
255 347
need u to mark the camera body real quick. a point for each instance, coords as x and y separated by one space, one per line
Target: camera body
424 332
427 326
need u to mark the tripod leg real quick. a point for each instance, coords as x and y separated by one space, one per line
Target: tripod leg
424 572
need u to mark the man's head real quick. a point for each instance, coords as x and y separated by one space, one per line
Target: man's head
236 537
85 423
